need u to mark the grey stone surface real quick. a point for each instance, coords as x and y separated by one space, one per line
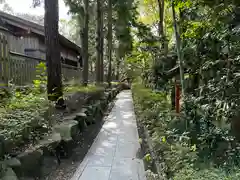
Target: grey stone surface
3 168
81 115
100 160
49 142
113 155
124 168
67 130
15 164
81 118
9 175
96 173
30 161
127 149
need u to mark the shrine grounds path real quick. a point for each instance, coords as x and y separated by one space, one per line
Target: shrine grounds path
114 153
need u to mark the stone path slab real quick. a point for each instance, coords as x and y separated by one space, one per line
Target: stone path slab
113 155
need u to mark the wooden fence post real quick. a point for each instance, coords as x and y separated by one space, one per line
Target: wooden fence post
4 61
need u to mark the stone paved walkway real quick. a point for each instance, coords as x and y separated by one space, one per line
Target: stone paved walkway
113 155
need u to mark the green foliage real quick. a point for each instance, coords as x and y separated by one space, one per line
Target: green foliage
147 157
41 77
23 111
210 36
151 176
125 12
84 89
21 114
18 125
184 158
115 83
211 174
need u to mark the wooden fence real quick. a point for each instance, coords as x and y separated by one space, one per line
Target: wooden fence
20 69
3 60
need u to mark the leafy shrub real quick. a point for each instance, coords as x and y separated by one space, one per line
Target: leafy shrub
22 113
189 152
41 77
84 89
189 173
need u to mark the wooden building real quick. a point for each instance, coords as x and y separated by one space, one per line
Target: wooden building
27 38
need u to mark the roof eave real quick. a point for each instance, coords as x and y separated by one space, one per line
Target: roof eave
36 28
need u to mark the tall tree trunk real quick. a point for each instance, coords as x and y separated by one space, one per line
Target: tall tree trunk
178 43
102 77
161 17
98 47
118 69
117 63
91 67
85 43
109 42
164 45
53 57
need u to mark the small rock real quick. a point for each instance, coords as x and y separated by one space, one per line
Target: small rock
31 161
104 103
71 117
109 97
8 146
81 115
3 168
98 110
68 130
49 142
15 164
9 175
106 94
89 112
84 110
114 90
81 118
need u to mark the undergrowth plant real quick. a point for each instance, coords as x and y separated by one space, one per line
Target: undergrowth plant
23 112
185 153
80 88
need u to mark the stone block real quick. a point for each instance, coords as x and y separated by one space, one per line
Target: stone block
81 118
68 130
9 175
15 164
31 161
49 143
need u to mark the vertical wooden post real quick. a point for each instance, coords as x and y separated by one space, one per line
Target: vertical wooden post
1 63
4 60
